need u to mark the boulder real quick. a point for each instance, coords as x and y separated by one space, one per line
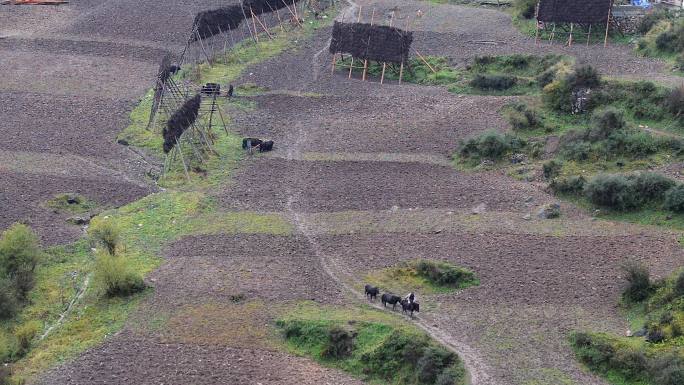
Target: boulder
549 211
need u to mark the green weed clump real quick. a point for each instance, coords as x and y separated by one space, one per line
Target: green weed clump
114 277
19 255
375 351
525 9
106 233
444 274
493 82
523 118
626 192
638 282
71 203
490 145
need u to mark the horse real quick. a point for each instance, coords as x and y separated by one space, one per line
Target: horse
390 299
407 306
371 292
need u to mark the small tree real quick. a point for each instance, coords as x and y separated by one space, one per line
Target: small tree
638 281
19 255
105 232
114 278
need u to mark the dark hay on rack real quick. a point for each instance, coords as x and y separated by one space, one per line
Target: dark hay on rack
183 118
165 72
373 42
574 11
215 21
264 6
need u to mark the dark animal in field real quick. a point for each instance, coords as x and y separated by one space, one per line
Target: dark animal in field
390 299
372 292
230 91
174 68
407 306
266 146
253 142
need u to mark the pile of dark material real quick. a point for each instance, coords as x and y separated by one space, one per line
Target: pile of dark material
575 11
215 21
180 121
264 6
372 42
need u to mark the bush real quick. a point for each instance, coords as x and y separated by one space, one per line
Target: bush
490 145
525 8
444 274
613 191
453 375
584 76
579 150
606 122
572 185
652 186
113 276
679 284
631 363
25 335
493 82
19 255
433 362
105 232
638 282
667 41
650 20
552 169
595 352
6 350
667 369
521 117
340 343
674 199
675 102
8 299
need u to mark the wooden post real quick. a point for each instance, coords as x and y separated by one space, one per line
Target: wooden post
572 25
401 71
351 65
384 64
256 34
334 59
254 17
589 35
605 39
248 27
365 61
180 152
553 33
202 46
424 61
536 35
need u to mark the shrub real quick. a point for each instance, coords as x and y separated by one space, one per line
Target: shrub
25 335
679 284
606 122
674 199
493 82
19 255
667 41
340 343
579 150
667 369
490 145
650 20
572 185
516 61
631 363
453 375
521 117
8 299
396 351
584 76
525 8
595 352
552 169
6 350
433 362
105 232
612 191
638 282
652 186
675 102
113 276
444 274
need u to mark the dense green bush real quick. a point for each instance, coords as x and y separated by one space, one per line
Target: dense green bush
613 191
558 94
679 284
493 82
340 343
25 334
675 102
638 282
113 276
651 19
605 122
444 274
105 232
433 363
668 369
584 76
521 117
19 256
525 8
490 145
571 185
8 299
652 186
552 169
674 199
6 350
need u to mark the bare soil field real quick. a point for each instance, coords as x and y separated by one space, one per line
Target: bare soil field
347 154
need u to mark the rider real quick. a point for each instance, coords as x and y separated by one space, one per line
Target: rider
410 297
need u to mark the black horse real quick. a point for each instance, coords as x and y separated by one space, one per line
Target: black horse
371 292
390 299
407 306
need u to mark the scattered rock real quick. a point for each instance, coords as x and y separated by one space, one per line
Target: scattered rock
529 199
486 163
549 211
527 217
479 209
78 220
518 158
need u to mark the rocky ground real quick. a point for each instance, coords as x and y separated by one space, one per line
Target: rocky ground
361 171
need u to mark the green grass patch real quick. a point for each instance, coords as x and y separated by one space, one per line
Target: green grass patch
71 203
370 345
423 276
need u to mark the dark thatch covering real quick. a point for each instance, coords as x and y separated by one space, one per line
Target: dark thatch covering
575 11
215 21
264 6
162 76
180 121
372 42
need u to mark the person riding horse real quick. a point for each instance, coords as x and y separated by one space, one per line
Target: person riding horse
410 297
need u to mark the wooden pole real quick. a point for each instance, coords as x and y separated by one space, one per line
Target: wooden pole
384 64
536 35
351 65
180 152
202 46
553 33
605 39
424 61
572 25
256 34
589 35
365 61
254 17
